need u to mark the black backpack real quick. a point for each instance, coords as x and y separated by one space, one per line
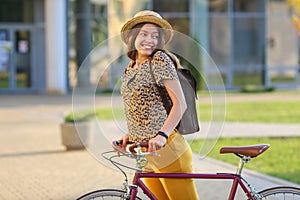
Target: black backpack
189 121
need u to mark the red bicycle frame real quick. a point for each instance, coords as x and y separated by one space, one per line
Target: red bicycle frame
130 190
244 152
237 180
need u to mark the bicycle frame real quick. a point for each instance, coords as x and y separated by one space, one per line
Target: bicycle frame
245 153
237 180
131 190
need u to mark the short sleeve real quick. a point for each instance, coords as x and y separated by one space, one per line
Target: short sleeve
163 67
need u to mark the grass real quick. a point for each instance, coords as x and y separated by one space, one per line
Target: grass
265 111
280 160
88 115
261 112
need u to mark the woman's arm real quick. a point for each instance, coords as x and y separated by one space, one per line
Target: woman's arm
179 105
175 92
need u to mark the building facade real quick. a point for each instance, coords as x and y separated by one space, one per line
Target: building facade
251 42
33 46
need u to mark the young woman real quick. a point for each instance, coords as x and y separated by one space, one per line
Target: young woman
147 120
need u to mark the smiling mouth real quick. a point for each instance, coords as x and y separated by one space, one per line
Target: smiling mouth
147 47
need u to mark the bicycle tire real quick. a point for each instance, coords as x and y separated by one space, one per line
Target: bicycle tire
105 194
281 193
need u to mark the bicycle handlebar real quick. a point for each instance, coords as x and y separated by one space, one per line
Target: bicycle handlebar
117 145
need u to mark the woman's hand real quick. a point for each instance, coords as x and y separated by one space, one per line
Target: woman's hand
125 139
156 143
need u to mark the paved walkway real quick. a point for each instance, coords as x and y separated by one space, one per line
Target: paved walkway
34 164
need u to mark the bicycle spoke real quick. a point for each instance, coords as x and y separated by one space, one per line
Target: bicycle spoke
281 193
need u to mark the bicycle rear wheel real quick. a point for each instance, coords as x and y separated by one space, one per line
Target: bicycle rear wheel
106 194
281 193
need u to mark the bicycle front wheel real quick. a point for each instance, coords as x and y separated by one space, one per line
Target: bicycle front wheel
281 193
106 194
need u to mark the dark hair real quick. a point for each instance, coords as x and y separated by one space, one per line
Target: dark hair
131 50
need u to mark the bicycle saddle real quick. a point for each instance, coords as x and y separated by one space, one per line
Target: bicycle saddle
251 151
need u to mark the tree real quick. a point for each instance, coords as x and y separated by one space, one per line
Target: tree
295 5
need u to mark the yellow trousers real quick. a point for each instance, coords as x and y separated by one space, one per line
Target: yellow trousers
175 157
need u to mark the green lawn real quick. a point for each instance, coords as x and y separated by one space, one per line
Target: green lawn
280 160
261 112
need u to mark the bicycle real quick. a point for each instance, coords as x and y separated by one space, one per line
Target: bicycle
130 191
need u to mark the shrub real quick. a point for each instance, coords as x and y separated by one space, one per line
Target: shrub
80 116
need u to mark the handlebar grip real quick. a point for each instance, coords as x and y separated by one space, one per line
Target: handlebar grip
117 145
134 145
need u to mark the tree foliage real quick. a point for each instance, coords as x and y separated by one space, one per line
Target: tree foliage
295 5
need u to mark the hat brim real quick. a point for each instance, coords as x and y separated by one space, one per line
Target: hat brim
167 28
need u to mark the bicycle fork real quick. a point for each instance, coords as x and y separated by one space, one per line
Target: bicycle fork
130 190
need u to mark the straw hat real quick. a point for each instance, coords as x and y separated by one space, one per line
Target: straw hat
144 17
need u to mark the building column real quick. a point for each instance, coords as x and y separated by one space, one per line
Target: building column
83 42
56 46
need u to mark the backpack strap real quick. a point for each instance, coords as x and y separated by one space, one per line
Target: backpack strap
162 91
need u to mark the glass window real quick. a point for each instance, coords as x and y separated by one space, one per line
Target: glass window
282 45
218 5
248 40
5 48
278 6
22 59
171 5
16 11
99 23
219 40
177 13
247 75
282 39
248 6
181 24
248 51
283 76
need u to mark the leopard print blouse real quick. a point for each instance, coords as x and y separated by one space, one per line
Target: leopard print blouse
144 109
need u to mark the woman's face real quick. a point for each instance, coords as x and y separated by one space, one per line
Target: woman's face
147 40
